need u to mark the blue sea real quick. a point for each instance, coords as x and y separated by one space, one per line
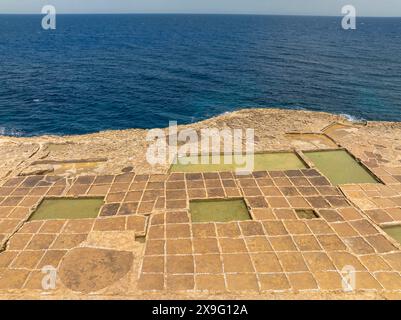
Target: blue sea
98 72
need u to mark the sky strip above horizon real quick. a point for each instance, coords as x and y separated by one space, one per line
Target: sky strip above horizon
290 7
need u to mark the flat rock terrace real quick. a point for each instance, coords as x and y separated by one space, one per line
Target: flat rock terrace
299 232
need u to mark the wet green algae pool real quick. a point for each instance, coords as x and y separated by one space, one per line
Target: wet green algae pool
394 232
262 161
68 209
218 210
306 214
340 167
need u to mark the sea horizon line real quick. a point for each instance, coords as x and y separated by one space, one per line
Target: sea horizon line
194 14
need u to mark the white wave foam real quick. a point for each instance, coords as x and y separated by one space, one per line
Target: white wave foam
10 132
352 118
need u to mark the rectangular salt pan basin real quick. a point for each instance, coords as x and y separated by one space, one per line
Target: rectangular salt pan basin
262 162
394 232
67 209
340 167
306 214
218 210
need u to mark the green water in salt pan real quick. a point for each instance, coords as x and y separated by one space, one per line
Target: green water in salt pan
340 167
306 214
218 210
68 209
262 162
394 232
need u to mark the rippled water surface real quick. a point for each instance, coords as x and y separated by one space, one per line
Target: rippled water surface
98 72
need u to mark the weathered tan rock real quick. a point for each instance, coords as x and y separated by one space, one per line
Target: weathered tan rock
14 153
37 170
376 143
127 148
